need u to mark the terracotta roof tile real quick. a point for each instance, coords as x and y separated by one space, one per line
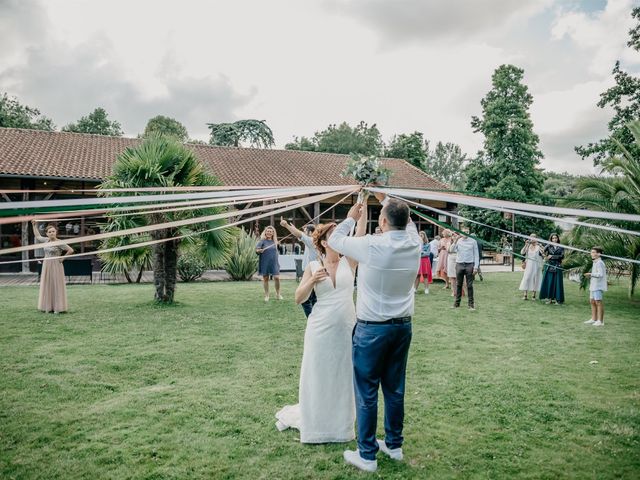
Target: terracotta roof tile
90 157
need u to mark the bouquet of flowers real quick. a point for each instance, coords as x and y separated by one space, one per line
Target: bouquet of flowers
366 170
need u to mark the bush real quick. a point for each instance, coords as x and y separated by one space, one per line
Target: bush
190 266
243 261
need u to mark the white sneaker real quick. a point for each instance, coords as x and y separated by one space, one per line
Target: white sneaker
352 457
266 298
598 324
426 291
280 297
395 454
590 322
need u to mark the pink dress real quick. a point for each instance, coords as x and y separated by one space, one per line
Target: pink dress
443 256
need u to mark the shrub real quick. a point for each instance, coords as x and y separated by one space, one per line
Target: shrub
190 266
243 261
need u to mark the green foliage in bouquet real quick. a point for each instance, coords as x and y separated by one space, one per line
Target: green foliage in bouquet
367 170
243 261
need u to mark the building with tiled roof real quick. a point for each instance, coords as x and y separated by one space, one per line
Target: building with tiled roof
90 158
63 161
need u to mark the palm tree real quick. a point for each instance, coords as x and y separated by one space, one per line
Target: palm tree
620 193
164 162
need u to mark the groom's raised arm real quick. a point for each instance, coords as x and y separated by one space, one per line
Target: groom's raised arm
356 248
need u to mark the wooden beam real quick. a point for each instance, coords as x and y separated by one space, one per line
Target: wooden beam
304 210
6 197
240 215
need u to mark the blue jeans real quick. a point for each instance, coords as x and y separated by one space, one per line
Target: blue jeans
308 304
380 355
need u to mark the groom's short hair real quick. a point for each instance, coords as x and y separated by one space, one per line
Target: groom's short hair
397 213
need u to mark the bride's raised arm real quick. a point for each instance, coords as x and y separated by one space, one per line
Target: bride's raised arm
361 230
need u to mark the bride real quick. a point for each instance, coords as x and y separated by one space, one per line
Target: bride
326 409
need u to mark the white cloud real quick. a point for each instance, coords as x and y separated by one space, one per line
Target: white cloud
603 34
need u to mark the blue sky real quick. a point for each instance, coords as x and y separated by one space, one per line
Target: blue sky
405 65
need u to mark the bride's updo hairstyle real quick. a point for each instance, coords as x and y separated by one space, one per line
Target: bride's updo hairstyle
320 234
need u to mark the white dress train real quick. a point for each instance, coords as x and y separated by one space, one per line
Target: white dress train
326 409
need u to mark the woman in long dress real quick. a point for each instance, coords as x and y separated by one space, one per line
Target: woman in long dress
424 273
532 271
443 255
53 291
326 409
268 263
552 287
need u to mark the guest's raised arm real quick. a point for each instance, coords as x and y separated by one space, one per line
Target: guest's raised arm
36 233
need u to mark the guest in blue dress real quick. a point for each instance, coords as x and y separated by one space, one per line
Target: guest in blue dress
268 265
552 287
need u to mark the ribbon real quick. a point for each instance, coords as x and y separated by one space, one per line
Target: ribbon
493 204
520 235
31 206
283 209
100 212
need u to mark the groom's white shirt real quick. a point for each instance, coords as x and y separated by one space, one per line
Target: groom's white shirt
387 269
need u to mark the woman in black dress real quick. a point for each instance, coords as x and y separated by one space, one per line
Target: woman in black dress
552 287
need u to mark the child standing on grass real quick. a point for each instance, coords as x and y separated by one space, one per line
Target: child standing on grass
597 286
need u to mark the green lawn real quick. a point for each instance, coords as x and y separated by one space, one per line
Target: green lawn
120 388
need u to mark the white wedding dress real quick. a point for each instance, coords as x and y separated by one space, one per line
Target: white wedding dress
326 409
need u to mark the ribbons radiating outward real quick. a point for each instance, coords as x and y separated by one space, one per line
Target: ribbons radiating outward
25 207
519 235
191 198
503 205
272 209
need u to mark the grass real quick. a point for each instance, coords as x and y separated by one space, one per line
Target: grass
120 388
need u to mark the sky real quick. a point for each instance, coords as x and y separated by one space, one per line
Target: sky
405 65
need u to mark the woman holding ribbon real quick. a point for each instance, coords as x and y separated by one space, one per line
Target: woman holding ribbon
268 265
552 288
53 291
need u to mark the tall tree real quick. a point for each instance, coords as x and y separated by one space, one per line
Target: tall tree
165 162
507 167
15 115
446 163
624 98
256 132
362 139
96 122
161 125
410 146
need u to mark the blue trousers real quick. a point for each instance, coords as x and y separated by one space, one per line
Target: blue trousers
380 355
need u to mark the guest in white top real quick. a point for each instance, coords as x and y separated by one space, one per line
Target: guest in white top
597 287
433 251
388 265
467 264
310 254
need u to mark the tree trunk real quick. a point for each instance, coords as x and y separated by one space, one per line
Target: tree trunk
171 269
126 275
139 275
159 279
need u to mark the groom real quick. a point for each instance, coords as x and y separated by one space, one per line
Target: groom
387 269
